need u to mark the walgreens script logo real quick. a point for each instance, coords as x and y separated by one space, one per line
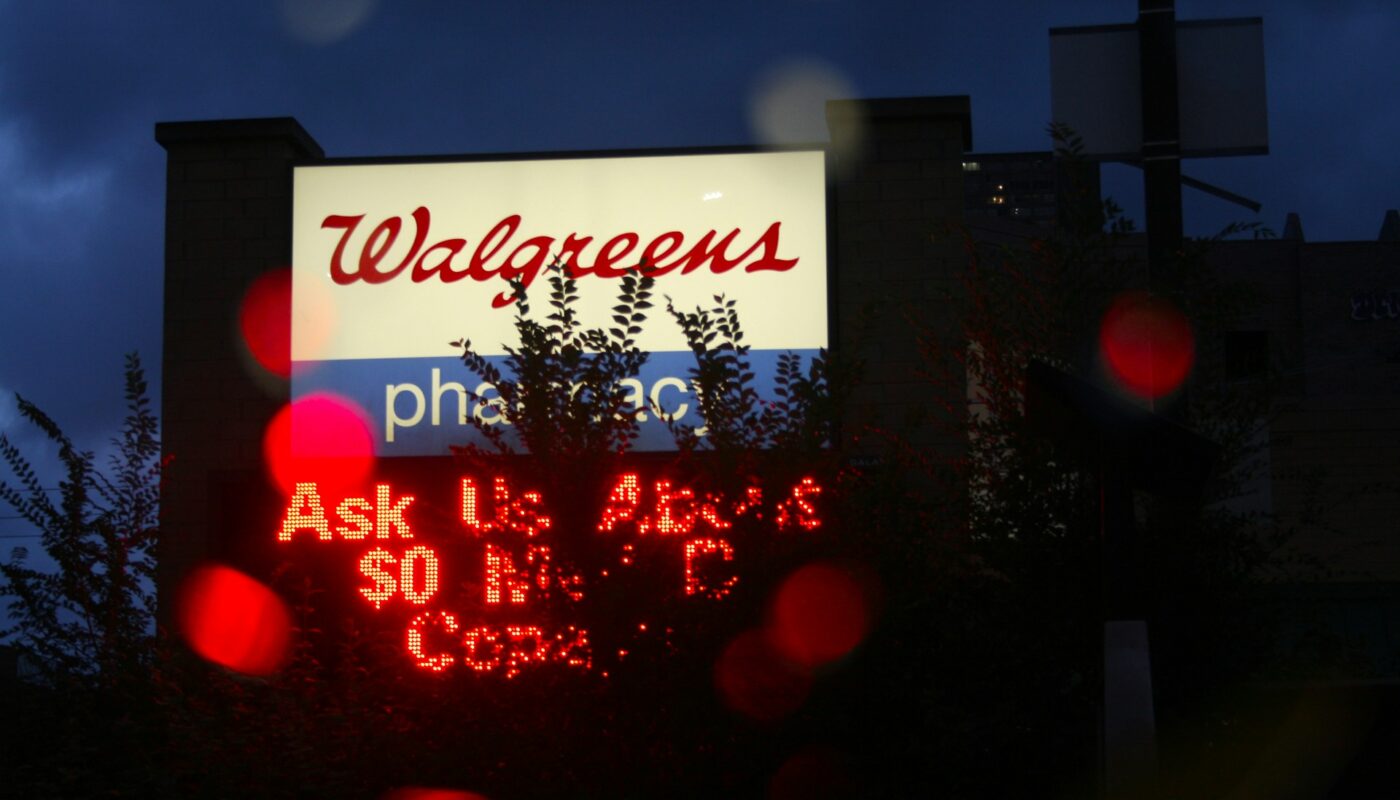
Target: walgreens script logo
497 257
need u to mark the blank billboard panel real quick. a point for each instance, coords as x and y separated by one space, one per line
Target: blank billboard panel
1095 87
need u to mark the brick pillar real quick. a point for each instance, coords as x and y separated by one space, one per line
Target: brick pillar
228 218
899 204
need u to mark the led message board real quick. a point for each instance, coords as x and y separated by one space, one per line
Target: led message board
475 583
392 261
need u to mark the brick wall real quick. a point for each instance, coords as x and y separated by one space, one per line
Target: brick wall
899 201
1335 424
228 219
1340 435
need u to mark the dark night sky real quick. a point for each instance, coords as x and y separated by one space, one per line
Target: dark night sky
82 84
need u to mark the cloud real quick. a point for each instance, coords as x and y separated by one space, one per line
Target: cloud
48 212
83 274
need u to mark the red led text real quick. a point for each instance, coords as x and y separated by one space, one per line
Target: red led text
403 573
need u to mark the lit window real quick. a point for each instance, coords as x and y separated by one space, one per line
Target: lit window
971 166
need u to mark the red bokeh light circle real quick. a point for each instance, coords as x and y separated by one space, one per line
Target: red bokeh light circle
323 438
754 679
265 321
819 614
233 620
1147 343
814 773
421 793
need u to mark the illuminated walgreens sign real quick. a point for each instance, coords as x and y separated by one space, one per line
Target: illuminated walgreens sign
391 262
468 588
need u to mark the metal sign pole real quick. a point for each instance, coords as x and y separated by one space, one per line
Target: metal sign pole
1199 90
1161 137
1129 715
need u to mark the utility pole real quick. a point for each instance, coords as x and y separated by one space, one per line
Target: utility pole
1161 138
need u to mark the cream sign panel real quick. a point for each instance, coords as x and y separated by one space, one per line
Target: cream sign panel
391 262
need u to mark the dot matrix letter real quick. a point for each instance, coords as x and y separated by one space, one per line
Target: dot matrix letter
305 511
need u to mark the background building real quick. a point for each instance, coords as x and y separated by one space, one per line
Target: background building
1326 329
1023 187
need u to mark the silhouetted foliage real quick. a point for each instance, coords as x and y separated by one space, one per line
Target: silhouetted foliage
799 420
94 618
564 395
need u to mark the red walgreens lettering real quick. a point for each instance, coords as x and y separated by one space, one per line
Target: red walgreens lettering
525 260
